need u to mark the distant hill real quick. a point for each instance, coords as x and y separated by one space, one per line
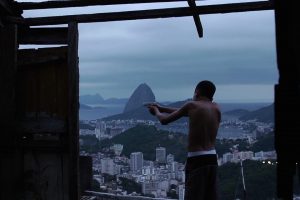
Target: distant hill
85 107
141 113
115 101
91 99
111 109
227 107
265 114
85 126
96 99
234 114
95 107
134 108
140 138
177 104
141 94
237 112
147 138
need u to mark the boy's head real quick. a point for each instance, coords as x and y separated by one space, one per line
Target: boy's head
206 89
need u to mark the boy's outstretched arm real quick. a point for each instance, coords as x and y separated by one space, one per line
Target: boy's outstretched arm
162 109
166 118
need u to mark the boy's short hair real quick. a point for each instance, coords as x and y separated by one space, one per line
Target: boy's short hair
206 88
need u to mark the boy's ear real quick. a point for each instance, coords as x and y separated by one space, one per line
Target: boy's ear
196 93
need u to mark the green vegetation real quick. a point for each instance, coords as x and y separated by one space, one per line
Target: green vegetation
89 143
172 194
265 143
260 181
130 186
146 138
96 186
265 114
225 145
140 138
85 126
127 185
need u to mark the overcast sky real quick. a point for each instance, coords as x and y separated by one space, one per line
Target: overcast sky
237 53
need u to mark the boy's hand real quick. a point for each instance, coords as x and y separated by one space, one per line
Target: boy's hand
150 104
152 109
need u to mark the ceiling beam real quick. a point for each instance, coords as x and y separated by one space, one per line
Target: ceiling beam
5 8
82 3
144 14
196 17
49 35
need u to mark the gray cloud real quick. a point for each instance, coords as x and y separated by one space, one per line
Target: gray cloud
237 49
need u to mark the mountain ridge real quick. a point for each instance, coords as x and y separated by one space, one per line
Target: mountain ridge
265 114
261 114
96 99
143 93
134 108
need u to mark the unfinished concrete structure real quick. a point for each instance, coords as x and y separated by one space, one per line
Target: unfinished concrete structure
39 93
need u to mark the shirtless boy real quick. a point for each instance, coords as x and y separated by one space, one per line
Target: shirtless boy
204 119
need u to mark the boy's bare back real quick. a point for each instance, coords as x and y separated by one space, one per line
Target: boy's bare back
204 119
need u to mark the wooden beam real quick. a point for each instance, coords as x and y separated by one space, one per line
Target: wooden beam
11 154
5 8
82 3
40 61
197 21
145 14
1 23
287 97
43 126
8 70
73 110
37 57
57 35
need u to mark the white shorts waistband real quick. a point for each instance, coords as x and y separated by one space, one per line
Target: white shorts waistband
199 153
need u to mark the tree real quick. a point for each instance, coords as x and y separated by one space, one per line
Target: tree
260 180
130 185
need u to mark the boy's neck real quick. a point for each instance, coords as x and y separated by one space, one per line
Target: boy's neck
202 98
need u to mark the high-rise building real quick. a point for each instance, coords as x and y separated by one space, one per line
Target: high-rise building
118 148
174 166
181 175
149 186
181 192
227 157
115 131
161 155
259 155
100 129
108 166
170 158
86 132
136 161
244 155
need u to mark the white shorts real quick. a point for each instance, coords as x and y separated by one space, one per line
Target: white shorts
199 153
